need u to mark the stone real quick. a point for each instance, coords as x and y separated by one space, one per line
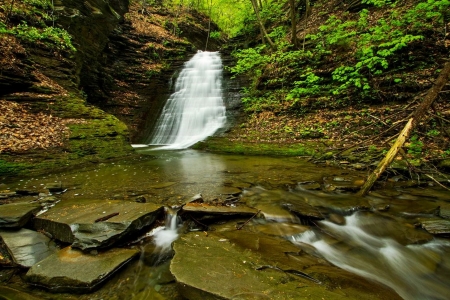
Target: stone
91 224
205 208
311 185
16 215
337 219
72 270
243 265
54 187
228 190
27 247
162 185
281 229
347 183
304 210
437 227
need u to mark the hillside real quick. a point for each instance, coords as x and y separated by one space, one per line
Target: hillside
78 80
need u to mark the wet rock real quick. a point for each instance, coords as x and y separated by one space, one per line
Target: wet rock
337 219
10 293
27 192
304 210
140 199
74 271
196 199
27 247
242 265
7 194
344 183
162 185
228 190
205 208
54 187
277 213
437 227
444 211
16 215
96 223
281 229
309 185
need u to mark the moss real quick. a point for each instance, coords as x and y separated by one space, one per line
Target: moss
94 136
218 144
8 168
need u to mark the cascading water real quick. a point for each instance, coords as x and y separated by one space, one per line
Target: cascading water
196 109
408 269
164 237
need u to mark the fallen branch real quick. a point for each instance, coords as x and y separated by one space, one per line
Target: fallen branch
246 222
415 118
432 178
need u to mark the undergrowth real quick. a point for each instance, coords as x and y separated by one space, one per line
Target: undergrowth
351 58
32 21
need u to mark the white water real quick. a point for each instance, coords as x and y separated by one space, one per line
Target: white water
196 109
164 236
410 270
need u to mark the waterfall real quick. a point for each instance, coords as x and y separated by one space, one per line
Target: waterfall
196 109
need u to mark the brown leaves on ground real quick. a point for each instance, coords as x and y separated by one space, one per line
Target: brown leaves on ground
22 130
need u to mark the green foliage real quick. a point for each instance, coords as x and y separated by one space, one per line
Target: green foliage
36 13
415 146
52 37
214 34
355 50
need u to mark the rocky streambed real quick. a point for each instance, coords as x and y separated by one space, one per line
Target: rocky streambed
261 228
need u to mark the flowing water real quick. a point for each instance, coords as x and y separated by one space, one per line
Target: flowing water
196 109
382 245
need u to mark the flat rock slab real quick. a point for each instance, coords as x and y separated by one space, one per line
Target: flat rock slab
96 223
16 215
437 227
240 265
27 247
74 271
304 210
206 208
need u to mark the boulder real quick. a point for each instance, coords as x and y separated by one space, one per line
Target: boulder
96 223
71 270
27 247
16 215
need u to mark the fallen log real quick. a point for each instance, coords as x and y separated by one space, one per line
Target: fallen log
415 118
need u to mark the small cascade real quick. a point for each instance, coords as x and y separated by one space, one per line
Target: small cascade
196 109
164 237
408 269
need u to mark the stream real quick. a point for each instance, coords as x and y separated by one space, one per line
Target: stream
376 243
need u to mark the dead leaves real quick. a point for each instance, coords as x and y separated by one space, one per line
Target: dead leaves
22 130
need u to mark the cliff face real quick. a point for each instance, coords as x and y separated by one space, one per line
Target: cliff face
121 67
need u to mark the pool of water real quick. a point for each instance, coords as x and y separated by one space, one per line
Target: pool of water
375 236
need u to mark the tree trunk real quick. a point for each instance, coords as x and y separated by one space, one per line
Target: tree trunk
307 11
293 23
415 118
261 25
